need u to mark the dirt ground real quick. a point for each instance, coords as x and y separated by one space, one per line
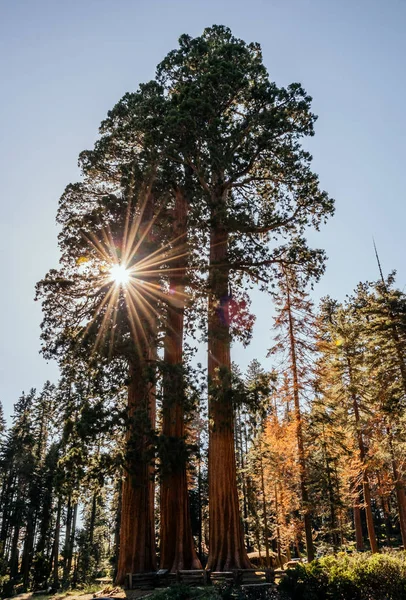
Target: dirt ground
72 595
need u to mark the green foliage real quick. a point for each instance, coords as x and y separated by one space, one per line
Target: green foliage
216 592
359 577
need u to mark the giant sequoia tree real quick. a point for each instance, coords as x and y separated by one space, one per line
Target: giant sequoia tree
239 134
107 317
198 187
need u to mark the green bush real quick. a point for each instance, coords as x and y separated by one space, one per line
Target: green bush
359 577
222 591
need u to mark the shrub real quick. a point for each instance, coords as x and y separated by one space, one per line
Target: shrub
359 577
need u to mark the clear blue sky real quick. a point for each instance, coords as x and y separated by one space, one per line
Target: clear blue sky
64 64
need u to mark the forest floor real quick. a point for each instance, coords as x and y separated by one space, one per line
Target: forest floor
83 595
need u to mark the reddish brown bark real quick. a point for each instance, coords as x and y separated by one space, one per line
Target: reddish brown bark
137 543
359 540
137 553
227 549
177 546
368 511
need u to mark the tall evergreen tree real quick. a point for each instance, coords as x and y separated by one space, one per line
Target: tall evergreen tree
295 325
239 134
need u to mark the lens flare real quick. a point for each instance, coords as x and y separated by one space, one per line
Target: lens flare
120 275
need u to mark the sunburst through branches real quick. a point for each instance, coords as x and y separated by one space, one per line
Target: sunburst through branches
129 270
119 274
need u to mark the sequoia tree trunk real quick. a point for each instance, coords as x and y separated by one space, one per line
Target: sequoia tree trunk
137 530
227 549
137 543
177 545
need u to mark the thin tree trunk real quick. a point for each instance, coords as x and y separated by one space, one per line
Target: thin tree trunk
14 553
365 480
199 499
92 519
244 488
117 529
177 545
359 538
69 514
6 502
227 549
264 509
399 489
333 523
27 555
299 435
71 542
55 572
278 530
386 518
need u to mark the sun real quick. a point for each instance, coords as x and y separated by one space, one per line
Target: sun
119 275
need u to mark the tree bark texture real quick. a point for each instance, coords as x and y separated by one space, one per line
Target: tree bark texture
137 543
177 545
227 549
137 552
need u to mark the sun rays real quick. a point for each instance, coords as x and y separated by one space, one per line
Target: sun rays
119 274
133 274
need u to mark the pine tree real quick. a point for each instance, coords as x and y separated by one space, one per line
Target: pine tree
347 351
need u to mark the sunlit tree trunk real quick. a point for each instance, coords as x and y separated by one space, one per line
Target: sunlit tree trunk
227 549
177 546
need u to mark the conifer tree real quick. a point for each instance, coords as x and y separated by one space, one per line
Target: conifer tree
215 122
294 323
239 134
346 347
